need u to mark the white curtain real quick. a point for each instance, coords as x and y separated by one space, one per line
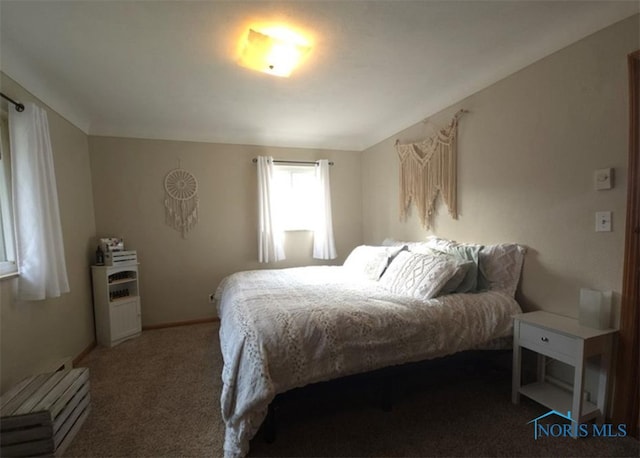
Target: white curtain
40 249
270 237
324 246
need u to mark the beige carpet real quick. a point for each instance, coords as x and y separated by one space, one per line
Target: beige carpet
158 396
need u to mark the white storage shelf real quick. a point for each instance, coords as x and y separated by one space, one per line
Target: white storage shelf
116 303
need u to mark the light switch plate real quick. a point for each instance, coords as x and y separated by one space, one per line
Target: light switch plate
603 221
603 179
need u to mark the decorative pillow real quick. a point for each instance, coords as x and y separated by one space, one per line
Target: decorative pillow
438 243
371 261
414 247
456 284
501 266
422 248
464 254
418 275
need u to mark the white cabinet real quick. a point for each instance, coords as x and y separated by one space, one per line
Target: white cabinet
563 339
116 303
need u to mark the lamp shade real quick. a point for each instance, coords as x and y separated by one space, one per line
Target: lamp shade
595 308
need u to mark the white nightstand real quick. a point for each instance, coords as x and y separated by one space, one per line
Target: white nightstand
563 339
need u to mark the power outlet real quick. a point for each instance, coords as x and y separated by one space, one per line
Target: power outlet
211 298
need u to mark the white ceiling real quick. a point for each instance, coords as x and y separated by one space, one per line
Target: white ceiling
167 69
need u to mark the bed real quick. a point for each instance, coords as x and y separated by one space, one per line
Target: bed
286 328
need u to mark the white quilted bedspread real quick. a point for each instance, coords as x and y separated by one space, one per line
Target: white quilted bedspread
287 328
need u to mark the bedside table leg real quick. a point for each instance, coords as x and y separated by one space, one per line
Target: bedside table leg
578 382
605 362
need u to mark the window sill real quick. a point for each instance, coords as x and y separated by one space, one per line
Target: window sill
9 275
8 269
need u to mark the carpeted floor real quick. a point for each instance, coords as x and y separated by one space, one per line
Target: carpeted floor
158 396
153 396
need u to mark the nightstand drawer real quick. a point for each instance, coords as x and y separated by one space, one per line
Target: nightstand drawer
548 342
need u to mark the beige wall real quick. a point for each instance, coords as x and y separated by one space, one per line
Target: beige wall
527 151
177 275
34 335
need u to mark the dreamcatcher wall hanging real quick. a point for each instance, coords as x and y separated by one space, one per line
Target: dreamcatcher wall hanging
429 168
181 200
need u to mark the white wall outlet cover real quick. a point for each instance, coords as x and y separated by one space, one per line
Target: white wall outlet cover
603 221
603 179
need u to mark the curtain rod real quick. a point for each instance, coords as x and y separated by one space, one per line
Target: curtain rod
279 161
18 105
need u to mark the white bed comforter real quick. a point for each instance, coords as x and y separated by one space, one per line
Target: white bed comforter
287 328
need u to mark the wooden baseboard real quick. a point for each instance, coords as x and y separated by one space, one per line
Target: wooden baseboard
180 323
84 353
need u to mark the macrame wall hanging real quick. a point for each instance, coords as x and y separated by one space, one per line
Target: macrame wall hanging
427 168
181 200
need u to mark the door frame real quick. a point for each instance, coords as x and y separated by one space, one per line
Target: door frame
627 389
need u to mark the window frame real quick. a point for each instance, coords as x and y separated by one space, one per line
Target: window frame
8 266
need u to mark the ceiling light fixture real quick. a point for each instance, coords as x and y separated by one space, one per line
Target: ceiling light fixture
276 50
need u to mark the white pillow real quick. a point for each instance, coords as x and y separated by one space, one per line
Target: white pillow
414 247
501 266
371 261
462 252
438 243
456 283
418 275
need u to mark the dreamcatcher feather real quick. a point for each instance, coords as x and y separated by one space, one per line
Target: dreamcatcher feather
429 168
181 200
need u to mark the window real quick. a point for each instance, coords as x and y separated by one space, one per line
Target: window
295 191
7 245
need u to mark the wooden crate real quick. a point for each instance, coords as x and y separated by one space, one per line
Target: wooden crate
41 415
121 258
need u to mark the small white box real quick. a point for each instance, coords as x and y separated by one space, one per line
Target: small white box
121 258
595 308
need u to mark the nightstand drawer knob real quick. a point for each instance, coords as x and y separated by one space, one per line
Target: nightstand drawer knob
544 339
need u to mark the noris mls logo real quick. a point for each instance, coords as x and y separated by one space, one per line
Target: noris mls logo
573 428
